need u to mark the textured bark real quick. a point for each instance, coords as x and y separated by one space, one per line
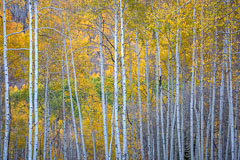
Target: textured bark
139 101
124 122
64 114
35 149
45 113
192 86
6 98
30 125
148 102
116 128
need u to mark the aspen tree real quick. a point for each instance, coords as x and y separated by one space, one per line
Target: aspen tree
6 98
35 150
125 146
64 114
139 101
45 112
30 125
116 128
192 84
148 101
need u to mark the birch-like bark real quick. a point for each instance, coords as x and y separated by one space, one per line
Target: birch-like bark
35 149
76 94
192 85
6 98
64 114
148 102
105 128
132 104
213 101
139 100
168 94
157 107
221 103
116 128
70 94
161 97
45 113
201 93
177 89
30 125
231 113
125 146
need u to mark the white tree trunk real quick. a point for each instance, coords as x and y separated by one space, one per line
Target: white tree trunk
221 103
192 86
201 93
230 100
116 128
30 125
105 128
213 101
7 113
35 150
139 101
64 114
45 113
161 97
148 102
125 146
177 89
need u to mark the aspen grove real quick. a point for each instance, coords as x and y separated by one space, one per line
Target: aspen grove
119 79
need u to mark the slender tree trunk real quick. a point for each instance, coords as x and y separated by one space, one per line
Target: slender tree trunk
30 125
139 101
177 88
105 129
221 104
125 146
192 86
157 106
64 114
45 113
132 104
161 97
76 94
35 150
148 102
116 128
168 91
231 114
213 101
201 92
7 113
